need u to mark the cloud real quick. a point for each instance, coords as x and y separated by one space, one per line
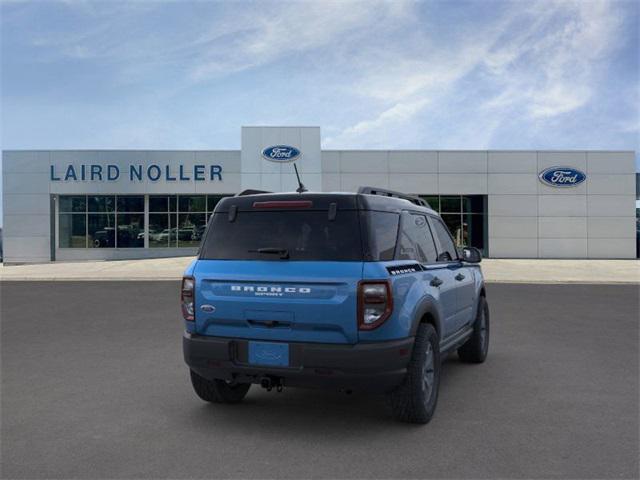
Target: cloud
290 28
539 60
229 38
387 74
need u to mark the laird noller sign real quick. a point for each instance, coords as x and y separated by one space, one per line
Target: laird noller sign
135 173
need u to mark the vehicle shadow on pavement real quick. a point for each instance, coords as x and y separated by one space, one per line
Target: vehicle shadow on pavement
315 409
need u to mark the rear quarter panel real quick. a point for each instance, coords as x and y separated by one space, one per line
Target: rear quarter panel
412 296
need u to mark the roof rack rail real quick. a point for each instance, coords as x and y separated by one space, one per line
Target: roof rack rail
250 192
390 193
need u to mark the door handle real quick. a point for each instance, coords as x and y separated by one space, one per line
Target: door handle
436 282
459 277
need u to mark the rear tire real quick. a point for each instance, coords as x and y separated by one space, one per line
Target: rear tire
476 348
218 391
415 400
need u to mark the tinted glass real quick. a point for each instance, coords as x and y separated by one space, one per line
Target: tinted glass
192 203
72 203
307 235
130 230
191 228
474 227
416 242
72 230
212 201
159 232
433 201
454 224
450 204
158 203
131 203
102 203
383 232
101 229
447 249
473 204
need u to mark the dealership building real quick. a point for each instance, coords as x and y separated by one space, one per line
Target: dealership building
70 205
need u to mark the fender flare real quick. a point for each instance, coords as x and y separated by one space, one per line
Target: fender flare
428 307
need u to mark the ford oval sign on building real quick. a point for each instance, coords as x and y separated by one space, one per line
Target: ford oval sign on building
562 177
281 153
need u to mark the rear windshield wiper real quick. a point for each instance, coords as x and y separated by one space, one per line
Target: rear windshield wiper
283 252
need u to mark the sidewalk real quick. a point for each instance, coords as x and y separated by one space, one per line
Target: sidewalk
495 270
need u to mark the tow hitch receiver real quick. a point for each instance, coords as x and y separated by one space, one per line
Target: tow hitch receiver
269 383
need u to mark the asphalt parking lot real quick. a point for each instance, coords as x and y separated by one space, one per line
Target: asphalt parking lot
93 386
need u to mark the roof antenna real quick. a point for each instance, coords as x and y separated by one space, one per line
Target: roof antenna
301 188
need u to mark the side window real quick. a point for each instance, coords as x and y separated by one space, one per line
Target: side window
383 230
447 250
416 242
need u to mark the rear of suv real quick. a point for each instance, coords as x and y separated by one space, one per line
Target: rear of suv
363 291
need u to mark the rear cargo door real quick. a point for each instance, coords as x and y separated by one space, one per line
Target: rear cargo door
280 269
283 301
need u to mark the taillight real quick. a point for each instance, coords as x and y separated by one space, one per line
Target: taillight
375 304
186 298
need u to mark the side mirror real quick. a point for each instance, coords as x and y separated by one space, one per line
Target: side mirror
471 255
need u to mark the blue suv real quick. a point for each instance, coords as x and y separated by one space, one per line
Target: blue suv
353 291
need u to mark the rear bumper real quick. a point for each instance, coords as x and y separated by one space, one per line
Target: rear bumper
370 367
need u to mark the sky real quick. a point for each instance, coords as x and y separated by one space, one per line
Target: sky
373 74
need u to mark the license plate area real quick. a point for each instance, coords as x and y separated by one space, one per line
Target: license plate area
269 354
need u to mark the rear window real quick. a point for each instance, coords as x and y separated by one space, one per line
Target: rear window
304 235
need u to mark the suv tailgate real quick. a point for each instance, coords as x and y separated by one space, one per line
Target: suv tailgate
298 301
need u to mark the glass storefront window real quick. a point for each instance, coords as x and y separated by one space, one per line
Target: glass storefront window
101 230
73 203
192 203
158 203
131 204
191 228
434 202
465 216
450 204
212 201
454 224
103 203
130 230
473 204
118 221
159 232
474 230
72 230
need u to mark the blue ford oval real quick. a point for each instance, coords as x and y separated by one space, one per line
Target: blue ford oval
562 177
281 153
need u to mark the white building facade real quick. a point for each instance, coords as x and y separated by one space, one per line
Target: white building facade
116 204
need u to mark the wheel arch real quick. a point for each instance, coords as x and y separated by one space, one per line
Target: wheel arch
427 313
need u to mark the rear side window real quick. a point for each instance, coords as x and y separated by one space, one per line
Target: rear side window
382 228
447 250
304 235
416 241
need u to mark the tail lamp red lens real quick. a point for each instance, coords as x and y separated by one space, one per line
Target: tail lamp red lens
187 298
375 304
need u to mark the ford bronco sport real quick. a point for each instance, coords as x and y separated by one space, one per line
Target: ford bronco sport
353 291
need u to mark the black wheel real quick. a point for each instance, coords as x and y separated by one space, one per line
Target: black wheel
218 391
476 348
415 400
